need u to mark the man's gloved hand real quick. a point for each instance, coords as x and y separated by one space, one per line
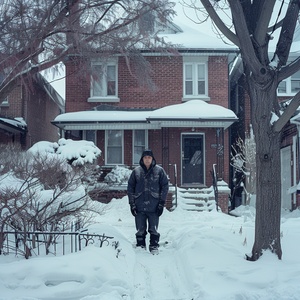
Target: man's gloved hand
133 210
160 209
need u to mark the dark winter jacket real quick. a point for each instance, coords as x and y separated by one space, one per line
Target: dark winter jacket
147 188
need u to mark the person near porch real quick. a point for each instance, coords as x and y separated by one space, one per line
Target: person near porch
147 191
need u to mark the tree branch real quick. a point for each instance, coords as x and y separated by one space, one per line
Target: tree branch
242 32
219 23
289 69
287 32
288 113
263 21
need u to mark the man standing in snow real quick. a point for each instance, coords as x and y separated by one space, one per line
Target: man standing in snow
147 191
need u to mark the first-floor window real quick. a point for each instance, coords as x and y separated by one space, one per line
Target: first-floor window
140 142
114 147
90 135
74 134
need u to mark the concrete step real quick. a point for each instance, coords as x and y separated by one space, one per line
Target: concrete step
196 199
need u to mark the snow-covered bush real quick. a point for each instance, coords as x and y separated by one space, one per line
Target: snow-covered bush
77 153
41 188
118 176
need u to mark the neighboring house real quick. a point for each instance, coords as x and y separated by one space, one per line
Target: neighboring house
290 158
185 121
26 114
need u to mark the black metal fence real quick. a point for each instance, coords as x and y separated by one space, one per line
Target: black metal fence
31 243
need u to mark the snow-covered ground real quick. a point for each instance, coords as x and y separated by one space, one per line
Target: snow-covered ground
201 257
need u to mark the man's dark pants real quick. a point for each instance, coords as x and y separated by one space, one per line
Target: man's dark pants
141 226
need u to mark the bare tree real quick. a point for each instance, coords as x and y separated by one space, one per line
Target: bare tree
251 26
38 34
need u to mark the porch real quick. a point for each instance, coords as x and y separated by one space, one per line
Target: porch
189 136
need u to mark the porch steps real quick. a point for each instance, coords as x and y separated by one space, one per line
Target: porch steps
195 199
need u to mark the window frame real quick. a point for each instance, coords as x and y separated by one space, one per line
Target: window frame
296 78
133 143
103 82
195 64
288 85
107 146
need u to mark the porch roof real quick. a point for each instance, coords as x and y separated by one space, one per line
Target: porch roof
194 113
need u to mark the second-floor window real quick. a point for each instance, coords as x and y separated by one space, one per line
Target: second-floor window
290 85
195 79
104 80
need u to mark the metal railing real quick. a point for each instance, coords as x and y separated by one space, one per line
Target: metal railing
31 243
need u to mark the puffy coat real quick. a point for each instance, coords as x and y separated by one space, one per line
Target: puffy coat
147 188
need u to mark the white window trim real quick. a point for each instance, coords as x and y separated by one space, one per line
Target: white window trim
106 144
195 96
133 143
288 92
105 98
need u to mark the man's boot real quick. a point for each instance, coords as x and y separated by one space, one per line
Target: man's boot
140 241
153 247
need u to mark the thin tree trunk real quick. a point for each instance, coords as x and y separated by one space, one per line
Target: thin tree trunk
268 175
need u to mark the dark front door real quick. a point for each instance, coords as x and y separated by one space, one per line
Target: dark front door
192 159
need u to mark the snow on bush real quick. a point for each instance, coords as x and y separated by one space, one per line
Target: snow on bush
76 153
118 175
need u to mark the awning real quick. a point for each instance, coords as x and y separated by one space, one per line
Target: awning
16 125
194 113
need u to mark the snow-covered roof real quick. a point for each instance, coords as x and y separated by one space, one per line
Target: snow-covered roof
16 125
51 91
194 33
194 113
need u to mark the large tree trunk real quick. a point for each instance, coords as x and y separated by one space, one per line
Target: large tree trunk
268 165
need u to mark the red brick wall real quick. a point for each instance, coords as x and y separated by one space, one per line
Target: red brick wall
37 109
168 79
218 80
14 108
40 111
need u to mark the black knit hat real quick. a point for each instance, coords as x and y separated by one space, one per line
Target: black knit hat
147 152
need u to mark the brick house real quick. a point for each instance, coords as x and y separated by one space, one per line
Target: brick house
26 114
185 120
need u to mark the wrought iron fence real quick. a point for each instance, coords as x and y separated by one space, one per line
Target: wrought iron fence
50 242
